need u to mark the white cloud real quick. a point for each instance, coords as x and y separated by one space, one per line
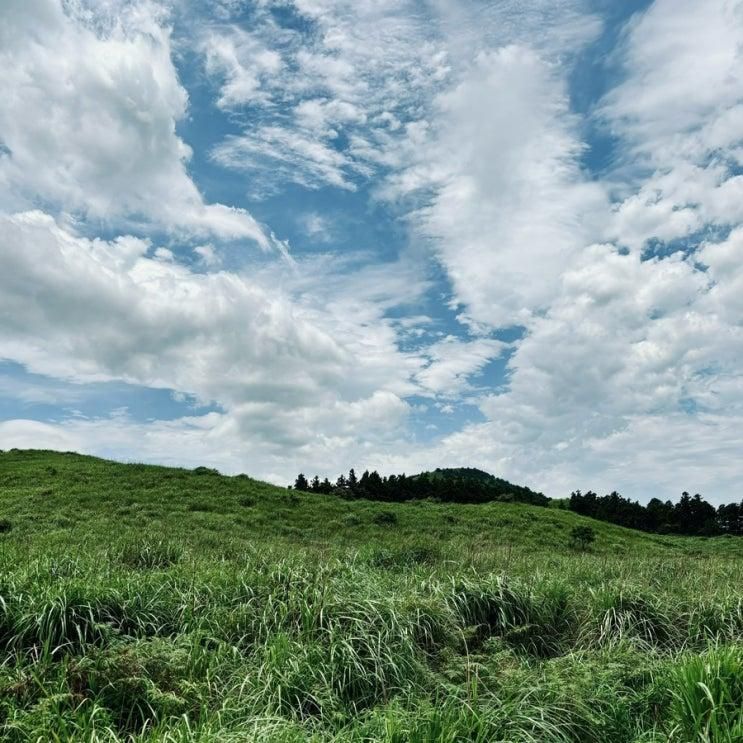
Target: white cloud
316 226
509 206
288 370
28 434
323 115
242 62
453 361
290 155
679 114
88 115
327 109
683 95
207 255
626 347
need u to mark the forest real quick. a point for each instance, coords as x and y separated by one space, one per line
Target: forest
455 485
691 515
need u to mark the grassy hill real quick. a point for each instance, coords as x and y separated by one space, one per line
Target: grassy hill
156 604
492 487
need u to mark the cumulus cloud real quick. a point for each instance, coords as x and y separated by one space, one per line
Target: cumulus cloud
88 310
70 284
679 114
88 117
510 206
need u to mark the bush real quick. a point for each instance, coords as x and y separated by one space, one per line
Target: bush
582 537
246 501
351 519
205 471
385 518
5 526
141 684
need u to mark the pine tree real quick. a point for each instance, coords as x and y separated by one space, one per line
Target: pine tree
301 483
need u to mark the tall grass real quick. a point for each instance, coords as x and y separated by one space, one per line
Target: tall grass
708 696
257 618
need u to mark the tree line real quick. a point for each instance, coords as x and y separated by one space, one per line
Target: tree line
692 515
450 486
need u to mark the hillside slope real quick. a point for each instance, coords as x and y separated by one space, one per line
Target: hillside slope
143 604
70 496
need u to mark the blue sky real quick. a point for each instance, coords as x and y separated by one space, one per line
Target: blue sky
289 235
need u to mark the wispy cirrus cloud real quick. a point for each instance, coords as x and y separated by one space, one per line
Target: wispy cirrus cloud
289 155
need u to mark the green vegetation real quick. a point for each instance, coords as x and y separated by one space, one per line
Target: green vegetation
453 485
151 604
690 515
582 537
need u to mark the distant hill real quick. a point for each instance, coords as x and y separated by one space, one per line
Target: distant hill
482 486
53 500
463 473
451 485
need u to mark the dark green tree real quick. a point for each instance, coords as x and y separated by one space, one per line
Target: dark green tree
301 483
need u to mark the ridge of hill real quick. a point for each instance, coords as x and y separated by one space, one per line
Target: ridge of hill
497 487
71 496
461 473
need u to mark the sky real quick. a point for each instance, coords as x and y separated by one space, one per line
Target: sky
308 235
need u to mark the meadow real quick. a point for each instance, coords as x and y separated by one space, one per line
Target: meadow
142 603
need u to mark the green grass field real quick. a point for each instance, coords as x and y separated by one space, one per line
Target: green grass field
153 604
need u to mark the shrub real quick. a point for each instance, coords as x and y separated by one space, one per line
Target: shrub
58 622
385 518
5 526
246 501
351 519
205 471
633 616
141 683
582 537
491 606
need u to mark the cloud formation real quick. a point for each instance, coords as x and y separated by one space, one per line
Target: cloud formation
88 121
449 141
93 310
